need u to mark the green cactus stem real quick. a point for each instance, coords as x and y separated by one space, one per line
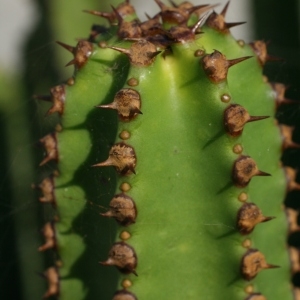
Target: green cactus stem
181 178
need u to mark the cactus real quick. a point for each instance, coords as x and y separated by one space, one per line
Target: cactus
158 175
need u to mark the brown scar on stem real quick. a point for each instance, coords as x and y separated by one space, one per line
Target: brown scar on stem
50 144
52 277
124 295
236 117
127 102
81 53
122 256
217 21
57 97
216 65
248 216
252 263
122 157
49 235
141 53
244 169
122 209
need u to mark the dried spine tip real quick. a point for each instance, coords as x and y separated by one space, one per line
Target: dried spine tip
216 65
122 256
244 169
127 102
256 296
217 21
252 263
124 295
47 188
49 235
50 145
249 215
52 277
81 53
123 209
122 157
236 117
141 54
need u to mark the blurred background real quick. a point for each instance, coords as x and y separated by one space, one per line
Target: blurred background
31 62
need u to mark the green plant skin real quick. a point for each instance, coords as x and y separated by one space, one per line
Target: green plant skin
185 235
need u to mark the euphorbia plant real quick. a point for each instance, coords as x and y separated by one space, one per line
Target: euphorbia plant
168 127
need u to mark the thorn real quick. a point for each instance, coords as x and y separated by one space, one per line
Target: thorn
49 143
49 235
287 137
122 157
216 65
53 282
200 22
71 62
252 263
47 189
279 90
109 16
291 175
249 215
236 117
224 10
234 24
127 102
141 54
122 256
67 47
47 98
233 62
244 169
